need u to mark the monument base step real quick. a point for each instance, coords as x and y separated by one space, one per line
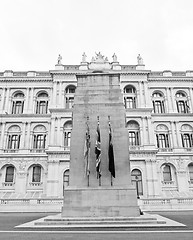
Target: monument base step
57 221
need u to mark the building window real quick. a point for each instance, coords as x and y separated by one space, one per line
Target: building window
133 130
158 102
14 133
182 103
39 137
162 137
167 175
9 175
36 174
70 91
162 140
42 103
66 178
67 134
130 97
187 136
18 103
190 170
136 180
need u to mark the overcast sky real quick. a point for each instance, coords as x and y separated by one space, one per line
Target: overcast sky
34 32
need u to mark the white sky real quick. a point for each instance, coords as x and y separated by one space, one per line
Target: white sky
34 32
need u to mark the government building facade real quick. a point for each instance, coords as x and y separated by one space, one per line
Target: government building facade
36 123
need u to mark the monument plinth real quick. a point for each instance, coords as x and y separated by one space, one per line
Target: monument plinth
98 96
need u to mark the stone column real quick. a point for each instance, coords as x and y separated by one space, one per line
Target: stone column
23 135
60 94
28 136
179 140
3 138
54 95
149 179
191 99
174 108
7 99
26 101
169 104
141 100
31 101
141 136
150 131
173 135
155 178
147 102
58 132
52 131
2 100
144 131
52 178
171 143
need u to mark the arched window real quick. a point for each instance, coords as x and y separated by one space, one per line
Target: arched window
130 97
67 134
14 133
70 91
42 103
190 170
167 175
187 136
133 130
162 137
136 180
66 178
158 102
35 176
36 173
39 137
182 102
17 103
9 174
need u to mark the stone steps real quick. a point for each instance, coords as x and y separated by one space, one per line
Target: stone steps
54 221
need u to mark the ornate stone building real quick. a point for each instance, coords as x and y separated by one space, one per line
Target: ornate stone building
36 123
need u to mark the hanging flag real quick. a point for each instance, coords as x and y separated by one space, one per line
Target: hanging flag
98 151
87 150
111 153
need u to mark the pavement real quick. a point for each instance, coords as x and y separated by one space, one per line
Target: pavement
8 221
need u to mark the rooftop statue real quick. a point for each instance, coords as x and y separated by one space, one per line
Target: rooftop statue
99 58
84 57
139 60
114 57
59 59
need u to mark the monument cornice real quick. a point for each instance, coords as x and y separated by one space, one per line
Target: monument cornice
25 79
170 79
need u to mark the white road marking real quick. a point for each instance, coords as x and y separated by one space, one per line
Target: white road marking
101 232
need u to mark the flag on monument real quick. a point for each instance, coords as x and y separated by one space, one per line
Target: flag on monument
111 154
98 151
87 151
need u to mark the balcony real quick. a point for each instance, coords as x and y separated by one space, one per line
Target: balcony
37 150
134 147
165 149
35 184
169 185
11 150
8 185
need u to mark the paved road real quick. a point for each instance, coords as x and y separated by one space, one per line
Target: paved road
9 220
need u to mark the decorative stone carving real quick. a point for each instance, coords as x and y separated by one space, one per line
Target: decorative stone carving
22 166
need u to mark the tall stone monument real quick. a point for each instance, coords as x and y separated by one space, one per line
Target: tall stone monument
98 98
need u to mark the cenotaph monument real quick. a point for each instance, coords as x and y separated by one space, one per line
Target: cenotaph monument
99 113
